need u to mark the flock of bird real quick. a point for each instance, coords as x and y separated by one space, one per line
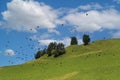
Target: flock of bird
21 54
24 56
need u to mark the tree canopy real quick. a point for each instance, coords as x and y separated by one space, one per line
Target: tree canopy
74 41
86 39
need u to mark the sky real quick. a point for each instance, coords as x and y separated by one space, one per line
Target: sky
29 25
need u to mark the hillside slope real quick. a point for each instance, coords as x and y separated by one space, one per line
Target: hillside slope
98 61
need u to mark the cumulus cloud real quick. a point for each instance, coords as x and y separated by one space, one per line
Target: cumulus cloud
65 41
30 15
94 20
9 52
26 15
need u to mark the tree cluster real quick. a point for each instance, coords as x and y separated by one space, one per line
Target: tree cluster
55 49
86 40
52 49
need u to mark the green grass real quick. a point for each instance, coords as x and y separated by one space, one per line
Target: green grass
98 61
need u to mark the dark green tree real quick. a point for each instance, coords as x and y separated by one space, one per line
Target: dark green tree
60 50
86 39
51 46
74 41
55 49
60 46
44 51
39 54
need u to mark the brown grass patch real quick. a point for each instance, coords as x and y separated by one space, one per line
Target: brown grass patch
66 76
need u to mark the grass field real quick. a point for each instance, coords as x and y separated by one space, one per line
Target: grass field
98 61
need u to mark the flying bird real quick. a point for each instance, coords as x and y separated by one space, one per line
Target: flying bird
86 14
31 29
38 27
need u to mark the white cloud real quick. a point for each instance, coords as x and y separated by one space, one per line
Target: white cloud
46 42
118 1
26 15
53 30
94 20
90 6
116 34
65 41
9 52
43 36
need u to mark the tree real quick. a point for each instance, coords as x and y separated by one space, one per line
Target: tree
51 46
74 41
52 49
38 54
55 53
86 39
60 48
44 51
55 49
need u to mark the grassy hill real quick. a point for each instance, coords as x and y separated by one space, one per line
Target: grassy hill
98 61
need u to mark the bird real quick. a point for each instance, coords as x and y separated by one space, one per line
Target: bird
37 26
8 41
86 14
26 38
38 48
30 39
31 29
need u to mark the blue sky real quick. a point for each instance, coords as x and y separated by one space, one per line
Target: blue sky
27 25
